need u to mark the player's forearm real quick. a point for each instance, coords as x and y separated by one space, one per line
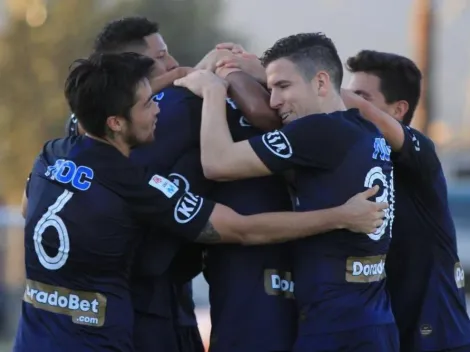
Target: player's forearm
287 226
253 100
158 83
390 128
216 139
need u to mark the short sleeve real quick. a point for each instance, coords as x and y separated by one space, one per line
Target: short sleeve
181 111
318 141
187 173
159 203
418 154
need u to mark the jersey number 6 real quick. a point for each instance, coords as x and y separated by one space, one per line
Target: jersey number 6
51 219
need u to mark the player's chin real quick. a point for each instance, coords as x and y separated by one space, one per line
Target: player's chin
150 138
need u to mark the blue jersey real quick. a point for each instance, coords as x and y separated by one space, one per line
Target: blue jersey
251 288
339 276
425 278
176 140
87 208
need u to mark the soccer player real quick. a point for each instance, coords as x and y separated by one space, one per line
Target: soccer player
178 132
425 278
339 280
253 310
89 204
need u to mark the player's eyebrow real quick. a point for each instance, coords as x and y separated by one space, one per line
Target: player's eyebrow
278 83
149 99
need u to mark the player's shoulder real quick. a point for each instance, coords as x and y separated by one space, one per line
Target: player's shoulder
82 151
337 122
175 94
419 139
58 148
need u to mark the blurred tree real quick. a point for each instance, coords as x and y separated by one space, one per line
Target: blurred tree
38 45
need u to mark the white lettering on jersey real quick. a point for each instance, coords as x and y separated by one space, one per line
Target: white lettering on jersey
167 187
188 207
278 283
459 275
278 144
85 308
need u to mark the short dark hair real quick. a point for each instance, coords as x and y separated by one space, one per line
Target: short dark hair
400 78
310 52
105 85
124 33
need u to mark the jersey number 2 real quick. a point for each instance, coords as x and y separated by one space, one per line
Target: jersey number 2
51 219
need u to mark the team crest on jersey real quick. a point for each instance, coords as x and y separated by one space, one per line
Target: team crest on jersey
188 207
167 187
278 144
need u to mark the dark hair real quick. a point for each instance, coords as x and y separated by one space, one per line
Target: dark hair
105 85
122 34
310 52
400 78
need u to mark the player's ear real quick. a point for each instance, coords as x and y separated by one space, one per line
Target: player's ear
322 79
115 123
399 109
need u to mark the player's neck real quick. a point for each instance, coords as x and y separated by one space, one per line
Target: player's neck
117 143
335 103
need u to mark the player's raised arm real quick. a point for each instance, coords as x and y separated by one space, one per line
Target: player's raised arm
221 158
251 98
306 141
162 81
390 128
411 148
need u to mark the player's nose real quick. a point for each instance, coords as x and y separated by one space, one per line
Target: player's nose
156 109
171 63
275 101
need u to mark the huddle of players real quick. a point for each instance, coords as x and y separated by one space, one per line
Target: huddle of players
123 211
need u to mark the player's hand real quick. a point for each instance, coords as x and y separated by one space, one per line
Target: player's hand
351 99
209 61
362 215
248 63
234 48
182 71
202 81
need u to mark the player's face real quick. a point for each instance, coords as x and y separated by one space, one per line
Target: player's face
368 86
291 95
158 51
143 117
